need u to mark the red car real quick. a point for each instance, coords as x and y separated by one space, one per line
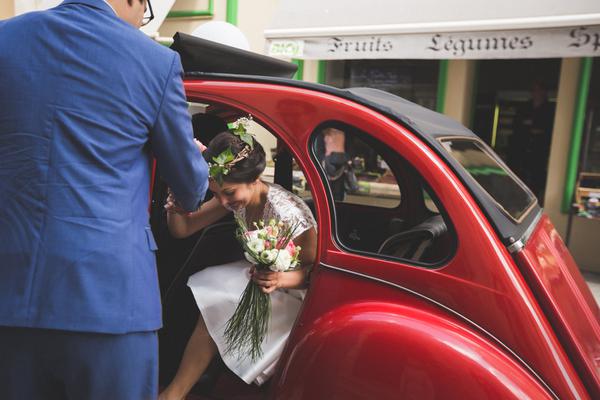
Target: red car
439 278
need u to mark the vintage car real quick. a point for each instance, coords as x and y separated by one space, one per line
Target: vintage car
439 278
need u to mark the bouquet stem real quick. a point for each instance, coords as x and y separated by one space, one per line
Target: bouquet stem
247 328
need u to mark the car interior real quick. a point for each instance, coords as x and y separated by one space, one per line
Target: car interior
392 215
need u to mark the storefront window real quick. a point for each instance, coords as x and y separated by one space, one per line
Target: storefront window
414 80
591 146
587 194
514 113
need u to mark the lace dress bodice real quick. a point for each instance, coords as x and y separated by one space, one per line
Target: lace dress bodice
285 206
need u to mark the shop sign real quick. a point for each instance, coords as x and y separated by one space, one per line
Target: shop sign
580 41
287 48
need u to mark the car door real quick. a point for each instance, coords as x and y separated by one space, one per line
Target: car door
445 255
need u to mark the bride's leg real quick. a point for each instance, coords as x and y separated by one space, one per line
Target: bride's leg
198 353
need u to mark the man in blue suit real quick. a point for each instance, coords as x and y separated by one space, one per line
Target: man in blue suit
86 101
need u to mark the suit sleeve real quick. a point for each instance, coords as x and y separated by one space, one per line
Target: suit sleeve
179 160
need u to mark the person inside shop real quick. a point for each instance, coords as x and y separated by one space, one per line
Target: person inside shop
334 155
530 142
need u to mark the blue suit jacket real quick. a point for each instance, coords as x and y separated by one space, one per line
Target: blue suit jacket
85 101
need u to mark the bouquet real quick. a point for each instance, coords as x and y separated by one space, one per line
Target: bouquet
269 246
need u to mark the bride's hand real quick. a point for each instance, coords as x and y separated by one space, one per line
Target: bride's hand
268 281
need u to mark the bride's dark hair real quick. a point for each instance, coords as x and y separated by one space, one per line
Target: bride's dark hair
246 170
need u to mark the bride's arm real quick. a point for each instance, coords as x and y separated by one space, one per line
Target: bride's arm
297 279
183 225
269 280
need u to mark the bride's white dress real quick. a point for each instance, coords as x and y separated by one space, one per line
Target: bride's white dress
217 290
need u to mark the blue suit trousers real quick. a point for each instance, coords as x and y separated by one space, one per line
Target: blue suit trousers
52 364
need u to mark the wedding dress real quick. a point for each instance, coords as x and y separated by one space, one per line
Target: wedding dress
217 290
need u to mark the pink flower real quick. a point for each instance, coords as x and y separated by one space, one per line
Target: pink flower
291 248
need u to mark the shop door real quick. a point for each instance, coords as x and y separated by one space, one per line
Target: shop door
514 113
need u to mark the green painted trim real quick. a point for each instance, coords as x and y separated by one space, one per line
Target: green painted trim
232 12
299 75
322 71
166 43
442 85
189 14
209 12
577 132
495 126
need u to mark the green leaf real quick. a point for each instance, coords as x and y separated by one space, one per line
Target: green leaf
225 157
217 172
246 137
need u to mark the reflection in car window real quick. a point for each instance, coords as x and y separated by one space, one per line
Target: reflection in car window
356 173
375 219
503 186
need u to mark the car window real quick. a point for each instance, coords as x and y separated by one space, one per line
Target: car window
511 195
390 211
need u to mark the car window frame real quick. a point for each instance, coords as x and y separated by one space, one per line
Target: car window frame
485 148
424 185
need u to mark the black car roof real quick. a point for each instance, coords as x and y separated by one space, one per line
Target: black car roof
429 125
420 119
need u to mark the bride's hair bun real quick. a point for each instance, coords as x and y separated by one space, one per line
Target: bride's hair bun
246 170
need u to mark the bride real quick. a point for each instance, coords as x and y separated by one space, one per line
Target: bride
237 187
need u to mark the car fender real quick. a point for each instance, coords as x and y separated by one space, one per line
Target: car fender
378 350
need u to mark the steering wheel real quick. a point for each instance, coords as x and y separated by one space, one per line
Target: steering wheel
412 243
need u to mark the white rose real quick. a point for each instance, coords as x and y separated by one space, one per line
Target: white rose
283 262
256 245
250 259
268 256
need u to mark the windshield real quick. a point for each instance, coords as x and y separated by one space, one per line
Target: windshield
502 185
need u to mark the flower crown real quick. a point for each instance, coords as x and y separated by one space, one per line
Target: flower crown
222 164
